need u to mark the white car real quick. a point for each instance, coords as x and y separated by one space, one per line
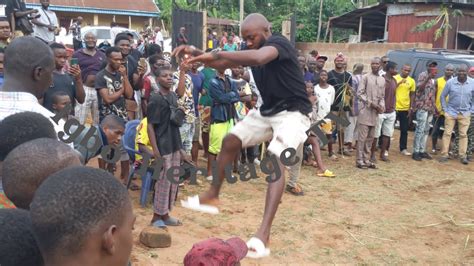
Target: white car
101 32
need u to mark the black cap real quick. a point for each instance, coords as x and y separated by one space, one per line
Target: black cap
431 63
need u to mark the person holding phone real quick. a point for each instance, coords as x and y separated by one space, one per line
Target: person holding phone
423 107
70 82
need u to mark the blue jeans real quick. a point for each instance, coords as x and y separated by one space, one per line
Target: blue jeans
187 133
423 119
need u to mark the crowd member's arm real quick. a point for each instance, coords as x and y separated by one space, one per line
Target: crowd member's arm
101 87
80 93
127 87
146 95
181 88
138 77
362 92
218 94
423 80
444 94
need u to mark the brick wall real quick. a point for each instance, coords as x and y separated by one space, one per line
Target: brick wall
355 52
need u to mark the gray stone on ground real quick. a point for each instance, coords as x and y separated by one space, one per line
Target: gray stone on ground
154 237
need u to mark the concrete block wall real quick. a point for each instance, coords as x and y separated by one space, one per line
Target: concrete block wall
355 52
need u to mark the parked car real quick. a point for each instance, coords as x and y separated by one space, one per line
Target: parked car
101 32
418 58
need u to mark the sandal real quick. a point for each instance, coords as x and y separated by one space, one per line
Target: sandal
171 221
159 223
296 191
327 173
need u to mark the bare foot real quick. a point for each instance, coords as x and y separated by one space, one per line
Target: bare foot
265 239
207 198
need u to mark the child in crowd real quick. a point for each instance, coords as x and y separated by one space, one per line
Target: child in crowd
60 100
326 95
165 139
83 216
313 139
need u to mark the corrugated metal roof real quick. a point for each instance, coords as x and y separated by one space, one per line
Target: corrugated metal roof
469 34
137 13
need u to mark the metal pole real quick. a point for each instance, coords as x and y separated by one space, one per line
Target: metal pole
241 11
360 28
320 18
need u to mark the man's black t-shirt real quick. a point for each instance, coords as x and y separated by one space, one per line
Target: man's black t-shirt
168 138
112 82
339 81
280 82
61 82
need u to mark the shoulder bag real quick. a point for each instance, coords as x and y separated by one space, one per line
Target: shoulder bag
177 115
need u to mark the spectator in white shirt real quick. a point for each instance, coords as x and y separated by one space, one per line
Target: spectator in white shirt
28 68
159 37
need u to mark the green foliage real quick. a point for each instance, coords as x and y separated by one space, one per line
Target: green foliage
276 11
442 18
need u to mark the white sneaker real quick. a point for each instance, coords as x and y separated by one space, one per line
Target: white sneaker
386 153
256 162
209 178
405 152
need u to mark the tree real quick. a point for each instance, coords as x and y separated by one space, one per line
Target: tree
443 20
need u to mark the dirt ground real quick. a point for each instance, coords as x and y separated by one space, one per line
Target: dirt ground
406 212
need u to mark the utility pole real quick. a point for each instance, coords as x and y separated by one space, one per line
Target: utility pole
320 18
241 13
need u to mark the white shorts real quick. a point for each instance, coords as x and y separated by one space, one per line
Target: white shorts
285 130
385 124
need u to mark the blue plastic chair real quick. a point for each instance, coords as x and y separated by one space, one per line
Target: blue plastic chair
128 141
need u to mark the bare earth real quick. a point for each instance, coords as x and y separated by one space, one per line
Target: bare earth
406 212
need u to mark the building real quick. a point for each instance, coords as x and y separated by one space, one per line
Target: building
129 14
394 21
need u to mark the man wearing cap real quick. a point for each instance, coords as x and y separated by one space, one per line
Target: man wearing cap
424 106
214 251
460 91
320 62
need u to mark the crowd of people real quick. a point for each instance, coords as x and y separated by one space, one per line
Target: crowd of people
239 105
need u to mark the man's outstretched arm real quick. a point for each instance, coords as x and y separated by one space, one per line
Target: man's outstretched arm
222 59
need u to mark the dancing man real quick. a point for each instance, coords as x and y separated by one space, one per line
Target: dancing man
283 117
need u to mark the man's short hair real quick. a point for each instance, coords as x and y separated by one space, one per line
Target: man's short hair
4 19
18 243
71 204
111 50
154 58
113 121
28 165
58 94
55 45
153 49
120 37
21 127
24 54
